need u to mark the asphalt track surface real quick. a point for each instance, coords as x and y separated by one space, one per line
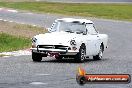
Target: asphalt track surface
22 72
88 1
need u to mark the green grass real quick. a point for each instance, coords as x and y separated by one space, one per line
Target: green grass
12 43
110 11
14 36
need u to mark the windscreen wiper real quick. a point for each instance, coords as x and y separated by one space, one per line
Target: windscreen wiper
69 31
78 32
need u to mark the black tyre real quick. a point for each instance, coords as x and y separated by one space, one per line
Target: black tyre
100 54
37 57
81 56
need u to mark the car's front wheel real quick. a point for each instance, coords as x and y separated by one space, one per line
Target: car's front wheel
100 54
36 57
81 56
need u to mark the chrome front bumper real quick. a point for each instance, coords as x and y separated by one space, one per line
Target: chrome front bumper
62 52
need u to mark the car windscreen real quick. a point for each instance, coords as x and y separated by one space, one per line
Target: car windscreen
70 27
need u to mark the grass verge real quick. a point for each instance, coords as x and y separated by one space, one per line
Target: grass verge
110 11
11 43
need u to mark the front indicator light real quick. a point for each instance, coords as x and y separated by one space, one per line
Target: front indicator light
74 48
33 46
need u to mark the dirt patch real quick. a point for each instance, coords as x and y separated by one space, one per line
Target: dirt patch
23 30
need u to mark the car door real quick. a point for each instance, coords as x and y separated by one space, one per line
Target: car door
93 40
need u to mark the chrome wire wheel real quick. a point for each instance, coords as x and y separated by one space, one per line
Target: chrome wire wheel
100 54
83 55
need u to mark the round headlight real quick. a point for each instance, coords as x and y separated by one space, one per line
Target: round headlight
34 40
73 42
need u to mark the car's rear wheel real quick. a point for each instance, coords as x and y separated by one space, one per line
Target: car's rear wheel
81 56
100 54
36 57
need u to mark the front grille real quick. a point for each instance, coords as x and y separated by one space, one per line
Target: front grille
54 47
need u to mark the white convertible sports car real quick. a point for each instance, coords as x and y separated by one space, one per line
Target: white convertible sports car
70 38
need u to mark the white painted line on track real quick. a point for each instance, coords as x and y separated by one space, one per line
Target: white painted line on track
38 83
34 25
16 53
11 21
4 20
19 22
8 10
12 11
37 0
43 74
